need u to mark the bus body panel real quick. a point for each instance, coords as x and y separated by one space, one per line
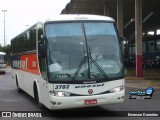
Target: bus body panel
79 101
82 89
71 101
27 83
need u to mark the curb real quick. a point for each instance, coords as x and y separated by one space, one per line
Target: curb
143 84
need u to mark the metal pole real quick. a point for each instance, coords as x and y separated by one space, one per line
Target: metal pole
4 25
138 37
120 16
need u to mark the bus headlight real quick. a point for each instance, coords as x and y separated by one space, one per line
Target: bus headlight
59 93
116 89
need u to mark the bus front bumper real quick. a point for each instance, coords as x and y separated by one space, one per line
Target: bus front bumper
85 101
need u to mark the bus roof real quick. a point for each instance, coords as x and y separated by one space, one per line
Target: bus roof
72 17
2 53
65 17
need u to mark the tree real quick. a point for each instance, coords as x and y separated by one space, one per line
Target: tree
7 49
1 48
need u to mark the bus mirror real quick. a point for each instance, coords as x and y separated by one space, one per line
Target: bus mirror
41 50
41 37
122 40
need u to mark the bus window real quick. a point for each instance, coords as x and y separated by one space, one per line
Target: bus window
33 38
158 45
67 49
151 46
2 62
144 47
27 41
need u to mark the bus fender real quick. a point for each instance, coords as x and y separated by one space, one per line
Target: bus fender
36 86
16 77
37 94
17 83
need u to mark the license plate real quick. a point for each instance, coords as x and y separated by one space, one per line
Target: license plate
93 101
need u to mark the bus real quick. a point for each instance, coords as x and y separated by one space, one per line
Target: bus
53 62
2 63
150 49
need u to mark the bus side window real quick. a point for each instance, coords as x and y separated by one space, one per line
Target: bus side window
33 38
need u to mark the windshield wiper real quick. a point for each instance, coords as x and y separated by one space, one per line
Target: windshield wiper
79 68
93 61
80 65
88 57
99 68
84 58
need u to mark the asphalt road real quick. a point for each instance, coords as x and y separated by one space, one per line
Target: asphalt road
12 101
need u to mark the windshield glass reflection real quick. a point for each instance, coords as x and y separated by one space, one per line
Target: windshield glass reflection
67 51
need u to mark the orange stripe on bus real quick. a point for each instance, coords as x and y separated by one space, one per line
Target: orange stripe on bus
30 63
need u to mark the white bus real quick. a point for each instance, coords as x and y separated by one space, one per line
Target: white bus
55 62
2 63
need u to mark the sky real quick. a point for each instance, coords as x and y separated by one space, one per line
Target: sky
24 13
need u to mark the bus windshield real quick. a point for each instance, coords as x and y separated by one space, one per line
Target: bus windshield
83 51
2 59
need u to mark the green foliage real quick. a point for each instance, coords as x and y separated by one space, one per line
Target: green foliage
6 49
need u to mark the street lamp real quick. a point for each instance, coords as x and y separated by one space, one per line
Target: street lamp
4 25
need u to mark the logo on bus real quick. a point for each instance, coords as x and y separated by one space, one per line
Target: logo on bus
90 85
90 91
22 64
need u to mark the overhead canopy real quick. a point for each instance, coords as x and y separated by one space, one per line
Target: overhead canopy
150 12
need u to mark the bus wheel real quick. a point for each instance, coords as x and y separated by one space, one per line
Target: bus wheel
36 96
19 89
